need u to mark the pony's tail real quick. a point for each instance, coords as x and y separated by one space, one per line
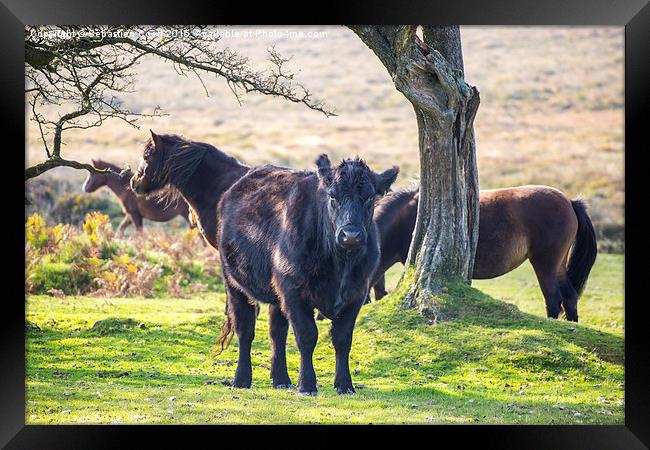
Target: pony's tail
584 249
227 332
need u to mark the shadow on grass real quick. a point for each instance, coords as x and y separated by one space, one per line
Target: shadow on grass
487 332
477 308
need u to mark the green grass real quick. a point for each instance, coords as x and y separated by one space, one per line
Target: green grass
494 363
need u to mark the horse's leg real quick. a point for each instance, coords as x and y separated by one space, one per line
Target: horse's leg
568 292
569 299
278 328
305 331
380 287
549 283
136 218
341 333
243 314
123 225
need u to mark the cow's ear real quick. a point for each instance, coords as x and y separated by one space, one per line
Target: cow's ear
324 169
384 180
157 141
94 161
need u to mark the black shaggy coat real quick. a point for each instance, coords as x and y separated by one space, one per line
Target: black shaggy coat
278 244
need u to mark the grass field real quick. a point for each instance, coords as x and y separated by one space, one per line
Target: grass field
498 361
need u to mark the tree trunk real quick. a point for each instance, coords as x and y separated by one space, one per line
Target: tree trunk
430 74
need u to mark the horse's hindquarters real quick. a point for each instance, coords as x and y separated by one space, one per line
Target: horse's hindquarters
502 253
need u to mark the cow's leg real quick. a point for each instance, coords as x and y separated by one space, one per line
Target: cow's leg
278 328
305 331
243 315
341 333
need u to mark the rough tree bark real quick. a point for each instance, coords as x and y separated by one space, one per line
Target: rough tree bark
430 74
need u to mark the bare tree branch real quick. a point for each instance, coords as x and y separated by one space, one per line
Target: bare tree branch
54 161
86 70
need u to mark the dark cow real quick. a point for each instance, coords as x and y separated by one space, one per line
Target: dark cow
299 241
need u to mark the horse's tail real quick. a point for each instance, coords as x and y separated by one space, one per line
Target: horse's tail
584 249
227 332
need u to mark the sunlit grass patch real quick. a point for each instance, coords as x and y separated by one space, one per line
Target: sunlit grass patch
495 362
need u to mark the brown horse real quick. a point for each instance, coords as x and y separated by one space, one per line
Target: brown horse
538 223
135 208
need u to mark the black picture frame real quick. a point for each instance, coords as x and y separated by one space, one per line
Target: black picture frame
633 14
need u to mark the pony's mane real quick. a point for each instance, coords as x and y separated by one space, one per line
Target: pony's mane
182 159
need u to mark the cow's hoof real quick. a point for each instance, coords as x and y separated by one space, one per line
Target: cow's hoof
342 390
241 384
308 392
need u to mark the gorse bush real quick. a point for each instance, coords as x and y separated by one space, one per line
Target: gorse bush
36 231
97 227
40 236
611 238
69 260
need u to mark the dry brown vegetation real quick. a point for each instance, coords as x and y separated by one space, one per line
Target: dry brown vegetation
551 110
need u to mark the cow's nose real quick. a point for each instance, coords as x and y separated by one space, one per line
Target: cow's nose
350 237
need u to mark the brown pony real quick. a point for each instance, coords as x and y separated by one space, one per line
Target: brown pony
135 208
538 223
194 172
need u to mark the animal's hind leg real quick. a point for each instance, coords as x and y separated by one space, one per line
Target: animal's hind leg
136 219
380 288
123 224
278 328
569 299
243 314
549 284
